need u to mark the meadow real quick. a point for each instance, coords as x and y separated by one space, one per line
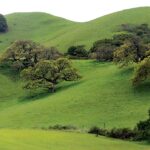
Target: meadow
104 97
56 140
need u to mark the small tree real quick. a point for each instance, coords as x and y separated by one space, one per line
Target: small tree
142 31
77 51
24 53
103 50
47 74
3 24
142 71
133 50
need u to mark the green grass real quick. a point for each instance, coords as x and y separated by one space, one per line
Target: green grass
55 140
104 95
10 90
55 31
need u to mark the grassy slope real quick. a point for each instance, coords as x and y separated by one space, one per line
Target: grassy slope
104 95
10 91
51 30
40 27
42 140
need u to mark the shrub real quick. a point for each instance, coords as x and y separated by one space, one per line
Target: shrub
3 24
102 50
142 72
98 131
62 127
77 52
122 133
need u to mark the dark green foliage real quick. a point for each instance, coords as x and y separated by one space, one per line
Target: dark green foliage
132 50
102 50
142 72
134 45
77 52
62 127
142 31
141 132
47 74
98 131
3 24
143 129
119 39
122 133
123 48
135 49
23 54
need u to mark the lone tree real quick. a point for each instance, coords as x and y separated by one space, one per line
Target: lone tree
3 24
47 74
142 72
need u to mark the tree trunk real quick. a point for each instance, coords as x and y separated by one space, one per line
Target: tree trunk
52 89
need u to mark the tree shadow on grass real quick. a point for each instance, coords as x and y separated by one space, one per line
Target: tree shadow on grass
11 74
143 88
41 93
125 71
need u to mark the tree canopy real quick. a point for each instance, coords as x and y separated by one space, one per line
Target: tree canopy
3 24
46 74
134 45
24 53
132 50
142 72
103 50
78 51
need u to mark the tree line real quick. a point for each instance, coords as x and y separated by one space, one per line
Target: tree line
131 46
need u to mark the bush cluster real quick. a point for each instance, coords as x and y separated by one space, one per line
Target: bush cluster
140 132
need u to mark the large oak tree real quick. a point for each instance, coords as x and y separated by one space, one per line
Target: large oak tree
47 74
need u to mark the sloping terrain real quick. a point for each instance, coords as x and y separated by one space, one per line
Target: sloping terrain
104 95
54 31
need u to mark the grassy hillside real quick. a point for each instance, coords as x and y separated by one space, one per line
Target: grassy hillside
51 30
42 140
10 90
104 95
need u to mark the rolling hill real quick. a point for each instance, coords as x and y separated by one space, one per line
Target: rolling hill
54 31
103 96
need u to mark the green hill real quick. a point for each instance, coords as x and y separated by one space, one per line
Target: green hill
55 31
103 96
